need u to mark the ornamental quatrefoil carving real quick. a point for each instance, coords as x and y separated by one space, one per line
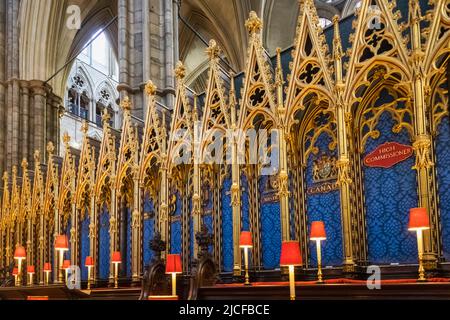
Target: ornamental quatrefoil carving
309 73
258 97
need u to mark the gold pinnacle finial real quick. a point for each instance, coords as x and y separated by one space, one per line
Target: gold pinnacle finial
105 116
14 171
24 164
84 127
150 88
66 139
50 148
180 71
254 23
126 104
37 156
213 50
337 43
414 11
279 69
335 19
5 177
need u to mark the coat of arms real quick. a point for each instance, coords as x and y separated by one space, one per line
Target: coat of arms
324 168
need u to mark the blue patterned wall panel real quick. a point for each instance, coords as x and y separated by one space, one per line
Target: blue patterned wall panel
85 249
292 211
104 254
227 227
208 221
175 243
129 240
443 179
245 210
389 194
270 229
68 253
175 232
207 210
148 226
324 207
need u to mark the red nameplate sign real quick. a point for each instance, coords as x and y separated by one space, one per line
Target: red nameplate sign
388 155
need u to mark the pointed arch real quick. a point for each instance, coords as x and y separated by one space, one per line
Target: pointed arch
216 112
180 143
258 99
311 67
67 186
438 38
376 41
128 160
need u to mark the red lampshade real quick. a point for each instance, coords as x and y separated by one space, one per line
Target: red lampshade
174 264
290 254
15 271
89 262
318 231
116 257
31 270
62 243
66 264
20 253
418 219
246 240
47 267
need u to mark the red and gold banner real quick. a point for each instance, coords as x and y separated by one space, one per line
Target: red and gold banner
388 154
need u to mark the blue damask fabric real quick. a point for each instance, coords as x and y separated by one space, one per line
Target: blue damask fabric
245 209
227 227
68 253
389 194
324 207
270 228
148 227
292 211
443 179
84 245
129 241
208 218
104 254
175 239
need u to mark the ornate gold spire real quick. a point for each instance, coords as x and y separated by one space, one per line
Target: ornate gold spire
414 12
66 140
50 148
279 69
37 156
180 71
338 53
213 50
105 117
195 111
254 23
150 88
232 100
84 127
126 104
24 164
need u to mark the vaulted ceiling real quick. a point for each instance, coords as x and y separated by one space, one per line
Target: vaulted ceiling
224 21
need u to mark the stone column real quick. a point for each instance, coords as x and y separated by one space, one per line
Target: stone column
26 150
38 104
